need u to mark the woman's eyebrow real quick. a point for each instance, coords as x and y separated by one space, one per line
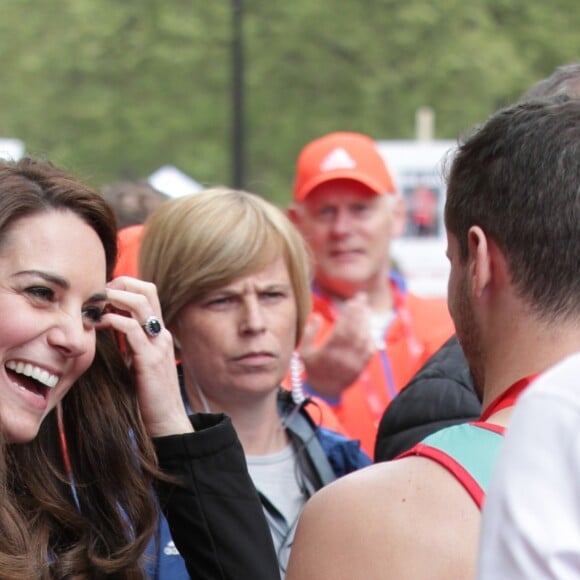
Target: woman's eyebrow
60 282
52 278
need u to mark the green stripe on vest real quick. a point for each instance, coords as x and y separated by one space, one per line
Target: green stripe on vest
474 448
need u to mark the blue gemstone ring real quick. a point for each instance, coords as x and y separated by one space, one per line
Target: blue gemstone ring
152 326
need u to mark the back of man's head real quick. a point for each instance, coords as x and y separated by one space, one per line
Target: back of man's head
518 178
565 80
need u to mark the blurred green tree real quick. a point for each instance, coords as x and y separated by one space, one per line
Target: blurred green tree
115 89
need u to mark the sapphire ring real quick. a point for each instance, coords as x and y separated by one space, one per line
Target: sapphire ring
152 326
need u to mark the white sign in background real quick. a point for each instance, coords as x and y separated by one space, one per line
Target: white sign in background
11 149
420 253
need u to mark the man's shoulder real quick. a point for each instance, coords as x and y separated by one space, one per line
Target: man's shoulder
407 484
468 451
397 503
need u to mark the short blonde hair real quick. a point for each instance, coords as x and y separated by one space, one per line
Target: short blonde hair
195 244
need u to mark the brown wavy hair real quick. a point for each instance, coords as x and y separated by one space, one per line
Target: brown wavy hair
45 531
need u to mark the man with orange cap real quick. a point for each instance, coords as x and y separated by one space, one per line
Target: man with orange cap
368 335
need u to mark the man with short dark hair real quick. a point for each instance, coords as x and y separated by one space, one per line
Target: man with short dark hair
512 217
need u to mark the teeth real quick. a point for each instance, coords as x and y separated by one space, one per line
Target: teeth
29 370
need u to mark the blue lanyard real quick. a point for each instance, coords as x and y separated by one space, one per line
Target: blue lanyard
386 363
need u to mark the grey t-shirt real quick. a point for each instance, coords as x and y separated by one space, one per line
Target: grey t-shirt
277 478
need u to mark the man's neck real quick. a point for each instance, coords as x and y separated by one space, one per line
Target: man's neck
531 350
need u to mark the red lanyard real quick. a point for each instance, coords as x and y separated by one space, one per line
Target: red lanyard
507 398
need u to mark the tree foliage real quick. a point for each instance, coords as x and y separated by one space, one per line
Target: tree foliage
115 89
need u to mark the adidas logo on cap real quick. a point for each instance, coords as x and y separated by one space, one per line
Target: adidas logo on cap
338 158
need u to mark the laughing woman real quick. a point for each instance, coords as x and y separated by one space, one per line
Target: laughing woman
77 462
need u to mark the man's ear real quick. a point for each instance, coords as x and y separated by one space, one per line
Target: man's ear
399 215
293 214
480 266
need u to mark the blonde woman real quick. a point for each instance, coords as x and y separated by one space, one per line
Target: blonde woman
233 279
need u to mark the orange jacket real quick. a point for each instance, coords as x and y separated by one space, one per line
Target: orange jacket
419 328
128 242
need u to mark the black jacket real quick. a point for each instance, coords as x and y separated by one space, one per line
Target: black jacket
440 394
216 518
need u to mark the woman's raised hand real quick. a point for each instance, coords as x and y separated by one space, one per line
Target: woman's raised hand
136 314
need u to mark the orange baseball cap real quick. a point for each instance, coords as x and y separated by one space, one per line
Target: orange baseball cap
341 155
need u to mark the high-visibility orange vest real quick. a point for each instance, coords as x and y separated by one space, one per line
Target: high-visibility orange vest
420 327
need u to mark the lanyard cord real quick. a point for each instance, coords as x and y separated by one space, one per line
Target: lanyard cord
66 455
